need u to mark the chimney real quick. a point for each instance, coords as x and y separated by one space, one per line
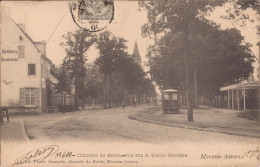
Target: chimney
22 26
41 46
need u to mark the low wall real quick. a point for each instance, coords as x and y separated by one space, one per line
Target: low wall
23 110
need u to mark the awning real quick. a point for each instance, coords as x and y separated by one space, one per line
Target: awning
246 85
236 88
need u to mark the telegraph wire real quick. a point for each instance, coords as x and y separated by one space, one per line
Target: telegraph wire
55 29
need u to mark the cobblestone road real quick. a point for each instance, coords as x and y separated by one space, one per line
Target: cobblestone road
114 125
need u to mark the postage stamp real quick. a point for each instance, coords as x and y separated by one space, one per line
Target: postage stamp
92 15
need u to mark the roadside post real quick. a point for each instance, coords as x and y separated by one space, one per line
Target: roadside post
64 101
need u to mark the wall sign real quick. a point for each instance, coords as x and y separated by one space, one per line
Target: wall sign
9 59
9 51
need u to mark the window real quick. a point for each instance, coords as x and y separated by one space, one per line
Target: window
30 96
166 96
170 96
31 69
174 96
20 51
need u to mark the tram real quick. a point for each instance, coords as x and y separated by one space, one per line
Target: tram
170 101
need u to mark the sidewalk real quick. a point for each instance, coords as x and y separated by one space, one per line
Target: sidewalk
13 131
205 119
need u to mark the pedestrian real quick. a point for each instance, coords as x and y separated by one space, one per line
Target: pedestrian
155 101
123 104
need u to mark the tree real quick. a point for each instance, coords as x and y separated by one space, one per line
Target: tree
111 48
93 83
177 16
63 80
188 38
76 44
122 73
231 62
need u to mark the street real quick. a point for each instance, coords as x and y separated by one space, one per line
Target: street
113 125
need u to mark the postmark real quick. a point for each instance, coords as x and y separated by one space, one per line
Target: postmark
92 15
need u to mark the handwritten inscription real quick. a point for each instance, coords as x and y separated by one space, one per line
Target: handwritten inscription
252 154
38 155
46 154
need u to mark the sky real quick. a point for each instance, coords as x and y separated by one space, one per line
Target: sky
41 18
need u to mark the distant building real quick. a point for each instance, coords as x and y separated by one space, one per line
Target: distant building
136 55
25 68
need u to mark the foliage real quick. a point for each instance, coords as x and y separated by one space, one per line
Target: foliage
183 36
63 80
115 71
229 62
175 15
111 48
119 68
76 43
242 10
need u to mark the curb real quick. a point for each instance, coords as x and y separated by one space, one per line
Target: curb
191 127
25 136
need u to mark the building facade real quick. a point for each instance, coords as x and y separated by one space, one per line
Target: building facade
25 69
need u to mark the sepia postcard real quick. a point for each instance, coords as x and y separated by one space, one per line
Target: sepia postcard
95 83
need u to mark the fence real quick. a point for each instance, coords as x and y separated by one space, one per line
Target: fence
59 99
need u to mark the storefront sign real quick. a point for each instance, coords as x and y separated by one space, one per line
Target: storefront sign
9 51
9 59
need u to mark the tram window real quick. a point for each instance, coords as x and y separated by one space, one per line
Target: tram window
174 96
166 96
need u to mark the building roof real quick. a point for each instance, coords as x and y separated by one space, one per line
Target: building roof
258 43
33 42
170 91
246 85
136 51
30 39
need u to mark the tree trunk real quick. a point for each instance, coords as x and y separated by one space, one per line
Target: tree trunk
102 83
104 91
196 105
83 94
109 91
76 94
123 94
187 70
89 100
259 98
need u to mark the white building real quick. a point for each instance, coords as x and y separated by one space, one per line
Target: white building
24 67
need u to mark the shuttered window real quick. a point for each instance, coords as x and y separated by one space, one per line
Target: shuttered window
29 96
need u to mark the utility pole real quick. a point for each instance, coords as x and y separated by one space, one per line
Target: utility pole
196 105
258 75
